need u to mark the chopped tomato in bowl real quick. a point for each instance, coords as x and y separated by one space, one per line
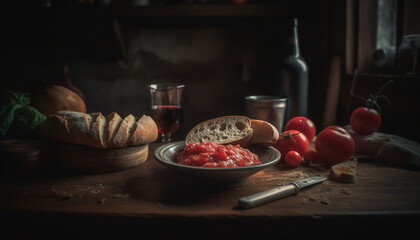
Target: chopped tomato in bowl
210 154
210 165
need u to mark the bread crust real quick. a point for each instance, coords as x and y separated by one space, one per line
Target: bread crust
121 137
145 131
264 132
114 122
56 127
253 131
96 130
79 125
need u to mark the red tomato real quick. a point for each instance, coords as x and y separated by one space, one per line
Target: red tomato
303 124
334 145
293 159
365 120
310 156
292 140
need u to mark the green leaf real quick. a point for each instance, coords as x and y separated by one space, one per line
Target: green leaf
29 117
17 118
7 117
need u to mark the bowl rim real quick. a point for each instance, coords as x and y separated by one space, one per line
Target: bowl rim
165 161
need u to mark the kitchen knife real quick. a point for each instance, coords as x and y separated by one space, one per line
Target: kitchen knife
278 192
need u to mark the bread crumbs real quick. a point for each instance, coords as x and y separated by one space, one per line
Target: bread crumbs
325 201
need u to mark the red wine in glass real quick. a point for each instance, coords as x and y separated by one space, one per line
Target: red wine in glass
167 117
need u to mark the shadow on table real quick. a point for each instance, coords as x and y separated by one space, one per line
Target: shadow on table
167 187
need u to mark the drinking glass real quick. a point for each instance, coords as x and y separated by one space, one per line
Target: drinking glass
166 107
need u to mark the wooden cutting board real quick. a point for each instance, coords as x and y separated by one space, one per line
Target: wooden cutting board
22 155
95 160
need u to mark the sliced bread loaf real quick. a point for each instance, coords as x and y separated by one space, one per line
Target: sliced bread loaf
223 130
98 131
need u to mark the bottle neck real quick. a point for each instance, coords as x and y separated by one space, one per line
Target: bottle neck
292 43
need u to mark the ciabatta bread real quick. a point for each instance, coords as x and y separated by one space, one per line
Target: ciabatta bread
263 132
223 130
233 130
98 131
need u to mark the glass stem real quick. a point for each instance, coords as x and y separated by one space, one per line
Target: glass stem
166 138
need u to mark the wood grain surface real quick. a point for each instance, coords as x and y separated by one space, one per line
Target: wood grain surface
96 160
152 200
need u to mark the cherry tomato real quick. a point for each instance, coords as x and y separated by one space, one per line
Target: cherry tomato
293 159
365 120
334 145
292 140
310 156
303 124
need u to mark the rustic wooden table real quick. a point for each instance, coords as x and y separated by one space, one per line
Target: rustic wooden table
152 200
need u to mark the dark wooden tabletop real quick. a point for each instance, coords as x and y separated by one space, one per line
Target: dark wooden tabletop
152 200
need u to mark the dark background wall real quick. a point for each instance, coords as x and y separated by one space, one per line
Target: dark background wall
221 52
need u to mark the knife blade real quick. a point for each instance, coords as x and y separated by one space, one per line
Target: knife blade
278 192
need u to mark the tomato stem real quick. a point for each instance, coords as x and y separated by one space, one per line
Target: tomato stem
289 135
371 101
383 87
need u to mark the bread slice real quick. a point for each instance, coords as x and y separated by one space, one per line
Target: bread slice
124 132
344 172
223 130
98 132
145 131
114 122
263 132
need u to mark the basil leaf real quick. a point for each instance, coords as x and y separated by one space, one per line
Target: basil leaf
7 114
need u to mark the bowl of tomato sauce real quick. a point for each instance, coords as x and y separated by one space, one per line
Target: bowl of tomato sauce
214 165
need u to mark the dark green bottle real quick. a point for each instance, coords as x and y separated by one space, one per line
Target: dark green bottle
293 82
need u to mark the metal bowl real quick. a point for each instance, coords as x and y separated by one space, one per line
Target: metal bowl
216 177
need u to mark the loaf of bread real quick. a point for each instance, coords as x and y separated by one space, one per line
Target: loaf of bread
233 130
98 131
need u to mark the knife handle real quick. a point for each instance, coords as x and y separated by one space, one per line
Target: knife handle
267 196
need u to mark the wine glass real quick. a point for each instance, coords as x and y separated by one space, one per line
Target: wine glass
166 107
